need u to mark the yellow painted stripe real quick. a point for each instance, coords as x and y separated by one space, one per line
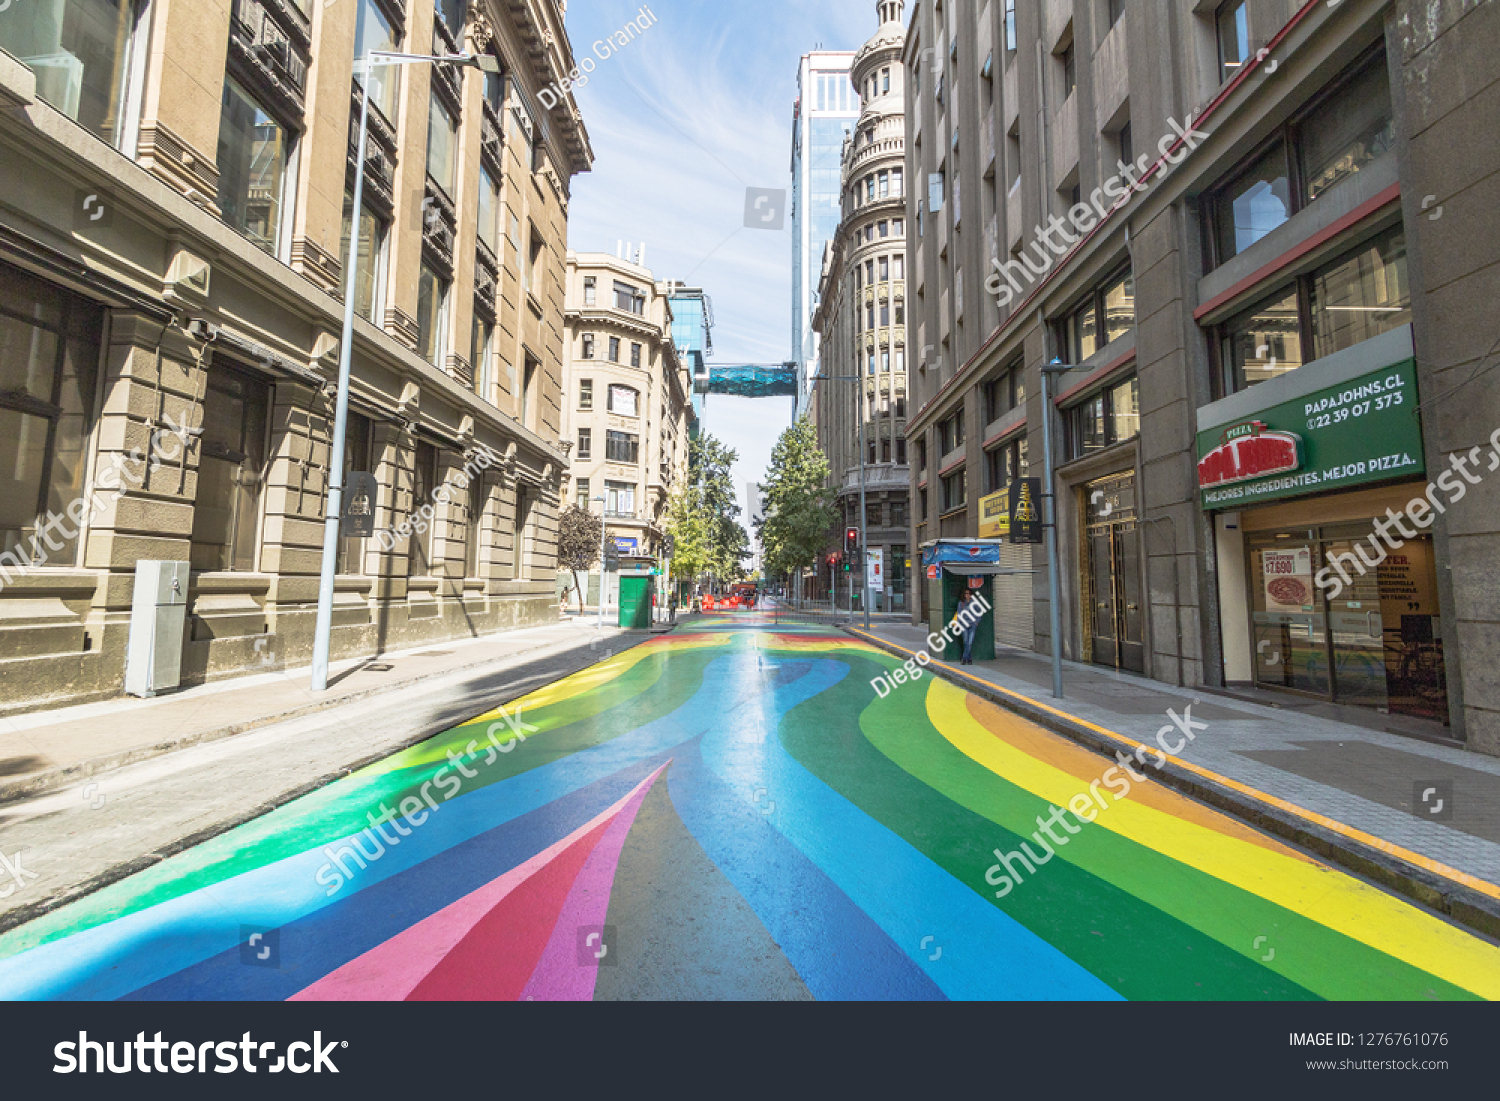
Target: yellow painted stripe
1390 848
1313 890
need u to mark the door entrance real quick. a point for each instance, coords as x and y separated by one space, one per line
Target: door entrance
1114 619
1377 643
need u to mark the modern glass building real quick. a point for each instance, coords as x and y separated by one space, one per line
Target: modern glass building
827 109
693 334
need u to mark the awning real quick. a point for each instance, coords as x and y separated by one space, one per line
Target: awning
979 569
974 551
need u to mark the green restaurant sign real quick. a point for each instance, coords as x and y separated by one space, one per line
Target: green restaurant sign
1365 430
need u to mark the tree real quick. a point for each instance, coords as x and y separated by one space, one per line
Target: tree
799 509
579 532
703 515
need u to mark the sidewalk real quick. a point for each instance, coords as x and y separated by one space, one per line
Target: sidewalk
1351 794
47 750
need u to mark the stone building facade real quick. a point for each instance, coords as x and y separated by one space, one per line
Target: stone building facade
628 405
861 320
1253 234
177 182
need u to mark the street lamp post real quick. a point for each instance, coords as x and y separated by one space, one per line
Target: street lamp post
1049 523
335 504
603 572
864 549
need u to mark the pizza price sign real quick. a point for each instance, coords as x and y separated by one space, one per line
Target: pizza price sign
1288 576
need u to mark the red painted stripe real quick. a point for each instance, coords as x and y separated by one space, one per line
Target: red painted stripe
497 957
1354 217
954 465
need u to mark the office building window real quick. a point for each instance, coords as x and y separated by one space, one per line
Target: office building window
624 401
49 363
635 354
614 349
1232 22
481 340
588 346
630 299
372 32
951 433
451 12
231 474
1109 417
442 145
82 53
254 175
489 211
585 443
1106 313
478 494
432 316
585 393
955 494
622 447
619 499
590 291
1360 294
423 493
372 253
581 493
357 451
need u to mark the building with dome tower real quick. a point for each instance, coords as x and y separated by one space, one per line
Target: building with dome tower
861 319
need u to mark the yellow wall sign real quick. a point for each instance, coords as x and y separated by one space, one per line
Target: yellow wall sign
994 515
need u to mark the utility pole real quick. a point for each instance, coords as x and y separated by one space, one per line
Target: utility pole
1049 524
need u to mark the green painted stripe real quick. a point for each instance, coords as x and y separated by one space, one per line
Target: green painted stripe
1139 950
1315 957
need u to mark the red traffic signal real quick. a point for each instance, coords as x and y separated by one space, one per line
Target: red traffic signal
851 541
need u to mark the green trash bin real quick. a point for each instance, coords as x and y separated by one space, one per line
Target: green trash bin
635 603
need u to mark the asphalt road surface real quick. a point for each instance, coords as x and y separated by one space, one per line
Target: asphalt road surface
734 811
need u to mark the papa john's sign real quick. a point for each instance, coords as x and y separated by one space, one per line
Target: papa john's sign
1364 430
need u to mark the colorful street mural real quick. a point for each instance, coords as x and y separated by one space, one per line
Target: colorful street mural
732 811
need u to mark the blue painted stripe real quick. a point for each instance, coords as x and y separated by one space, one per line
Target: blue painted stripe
985 954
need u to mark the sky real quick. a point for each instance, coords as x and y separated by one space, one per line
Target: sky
682 121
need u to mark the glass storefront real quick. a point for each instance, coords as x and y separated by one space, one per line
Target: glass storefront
1374 639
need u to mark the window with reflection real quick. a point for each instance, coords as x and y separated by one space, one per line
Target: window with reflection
1253 204
231 471
81 52
442 145
371 265
1105 419
254 153
373 32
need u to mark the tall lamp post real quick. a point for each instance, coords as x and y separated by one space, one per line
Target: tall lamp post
335 505
1049 522
863 515
603 571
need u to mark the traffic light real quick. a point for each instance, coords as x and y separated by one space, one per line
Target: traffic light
851 543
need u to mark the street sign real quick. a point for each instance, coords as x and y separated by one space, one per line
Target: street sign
994 515
1025 510
1359 431
358 519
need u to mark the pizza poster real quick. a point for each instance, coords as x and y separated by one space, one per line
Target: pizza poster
1288 577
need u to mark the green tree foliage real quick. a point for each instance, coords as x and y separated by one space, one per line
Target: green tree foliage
799 505
578 534
703 515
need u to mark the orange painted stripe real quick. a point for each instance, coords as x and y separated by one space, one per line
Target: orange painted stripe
1427 864
1084 766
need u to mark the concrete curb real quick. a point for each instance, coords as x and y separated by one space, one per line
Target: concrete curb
19 916
55 779
1452 899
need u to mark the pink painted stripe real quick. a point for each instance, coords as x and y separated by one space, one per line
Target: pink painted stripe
561 976
392 969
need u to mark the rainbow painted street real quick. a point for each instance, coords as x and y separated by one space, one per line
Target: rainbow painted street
732 811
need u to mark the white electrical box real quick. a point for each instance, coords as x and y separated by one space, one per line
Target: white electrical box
158 616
